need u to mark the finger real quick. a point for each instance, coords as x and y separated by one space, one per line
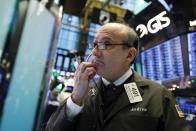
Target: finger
91 75
90 72
79 68
85 65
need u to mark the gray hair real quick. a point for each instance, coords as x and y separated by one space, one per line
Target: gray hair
132 40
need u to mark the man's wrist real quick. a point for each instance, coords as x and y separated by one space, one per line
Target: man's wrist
72 108
78 102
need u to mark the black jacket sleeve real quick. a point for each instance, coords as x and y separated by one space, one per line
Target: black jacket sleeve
59 120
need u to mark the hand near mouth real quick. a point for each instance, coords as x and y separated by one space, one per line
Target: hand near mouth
84 73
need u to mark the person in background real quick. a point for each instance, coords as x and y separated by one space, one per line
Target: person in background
51 107
121 100
65 93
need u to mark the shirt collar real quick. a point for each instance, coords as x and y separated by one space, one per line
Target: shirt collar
120 80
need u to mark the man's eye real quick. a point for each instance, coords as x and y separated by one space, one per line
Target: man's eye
106 43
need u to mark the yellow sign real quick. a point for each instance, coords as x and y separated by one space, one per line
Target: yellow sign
180 113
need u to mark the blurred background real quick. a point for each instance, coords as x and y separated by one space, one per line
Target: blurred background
43 41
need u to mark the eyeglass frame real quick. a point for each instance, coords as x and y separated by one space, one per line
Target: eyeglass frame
103 45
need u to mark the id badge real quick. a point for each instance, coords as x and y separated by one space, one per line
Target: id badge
132 92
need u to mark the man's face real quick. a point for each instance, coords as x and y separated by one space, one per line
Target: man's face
112 62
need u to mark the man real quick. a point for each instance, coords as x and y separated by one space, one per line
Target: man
132 103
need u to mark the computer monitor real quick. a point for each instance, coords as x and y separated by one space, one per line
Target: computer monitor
163 61
192 53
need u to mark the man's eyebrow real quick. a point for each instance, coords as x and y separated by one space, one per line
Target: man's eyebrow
108 39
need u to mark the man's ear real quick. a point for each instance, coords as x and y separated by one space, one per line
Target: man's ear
128 55
131 54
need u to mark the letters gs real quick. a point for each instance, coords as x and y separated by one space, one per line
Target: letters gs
154 25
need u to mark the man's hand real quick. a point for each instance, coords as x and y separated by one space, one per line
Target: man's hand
84 73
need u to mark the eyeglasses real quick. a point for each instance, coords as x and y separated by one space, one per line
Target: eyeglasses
101 45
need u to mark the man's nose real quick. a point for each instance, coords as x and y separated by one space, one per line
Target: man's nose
96 52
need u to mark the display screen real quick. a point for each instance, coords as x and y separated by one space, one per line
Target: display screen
59 62
9 16
30 72
192 53
69 36
164 61
66 63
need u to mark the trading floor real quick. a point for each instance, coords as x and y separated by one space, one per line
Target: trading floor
42 43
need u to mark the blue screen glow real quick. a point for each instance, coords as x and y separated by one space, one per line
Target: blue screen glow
192 53
164 61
